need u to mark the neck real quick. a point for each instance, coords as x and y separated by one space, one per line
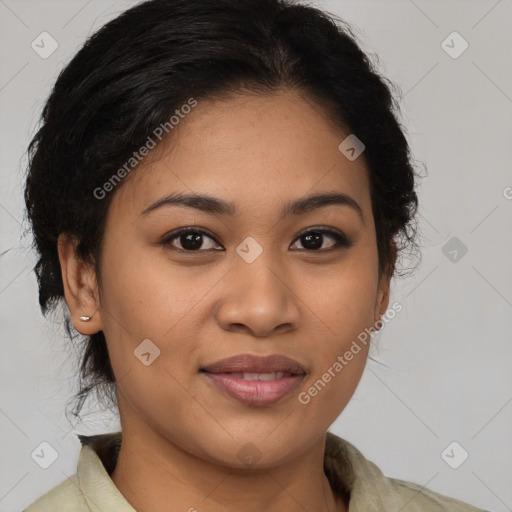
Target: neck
152 473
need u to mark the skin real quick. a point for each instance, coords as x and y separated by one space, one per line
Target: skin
181 435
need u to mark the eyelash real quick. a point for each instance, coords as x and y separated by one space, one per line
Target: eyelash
342 242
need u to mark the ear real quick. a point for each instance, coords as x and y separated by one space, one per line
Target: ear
80 286
382 302
383 289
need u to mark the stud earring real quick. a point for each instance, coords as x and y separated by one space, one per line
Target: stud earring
85 318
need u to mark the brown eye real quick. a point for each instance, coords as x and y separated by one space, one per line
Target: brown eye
314 239
190 240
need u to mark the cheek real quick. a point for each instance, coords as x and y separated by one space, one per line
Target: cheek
147 310
328 392
146 297
345 305
145 294
345 298
339 359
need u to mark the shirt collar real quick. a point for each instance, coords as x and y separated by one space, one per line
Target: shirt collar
99 454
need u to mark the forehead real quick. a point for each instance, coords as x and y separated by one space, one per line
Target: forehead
252 150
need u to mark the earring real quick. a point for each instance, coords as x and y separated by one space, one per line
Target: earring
85 318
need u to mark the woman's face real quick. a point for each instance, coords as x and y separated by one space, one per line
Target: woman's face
247 282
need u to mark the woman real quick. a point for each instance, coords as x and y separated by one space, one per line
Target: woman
220 191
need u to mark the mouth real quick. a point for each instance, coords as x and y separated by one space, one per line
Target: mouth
255 380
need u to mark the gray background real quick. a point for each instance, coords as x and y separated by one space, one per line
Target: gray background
448 353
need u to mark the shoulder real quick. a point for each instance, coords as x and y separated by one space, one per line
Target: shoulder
372 491
418 498
91 483
65 496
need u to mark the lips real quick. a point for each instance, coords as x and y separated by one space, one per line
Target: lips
247 363
255 380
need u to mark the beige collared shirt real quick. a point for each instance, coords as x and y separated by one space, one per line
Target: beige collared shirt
92 490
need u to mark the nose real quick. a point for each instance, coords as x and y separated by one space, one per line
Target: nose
260 298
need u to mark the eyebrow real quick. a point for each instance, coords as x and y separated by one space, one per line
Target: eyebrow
209 204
